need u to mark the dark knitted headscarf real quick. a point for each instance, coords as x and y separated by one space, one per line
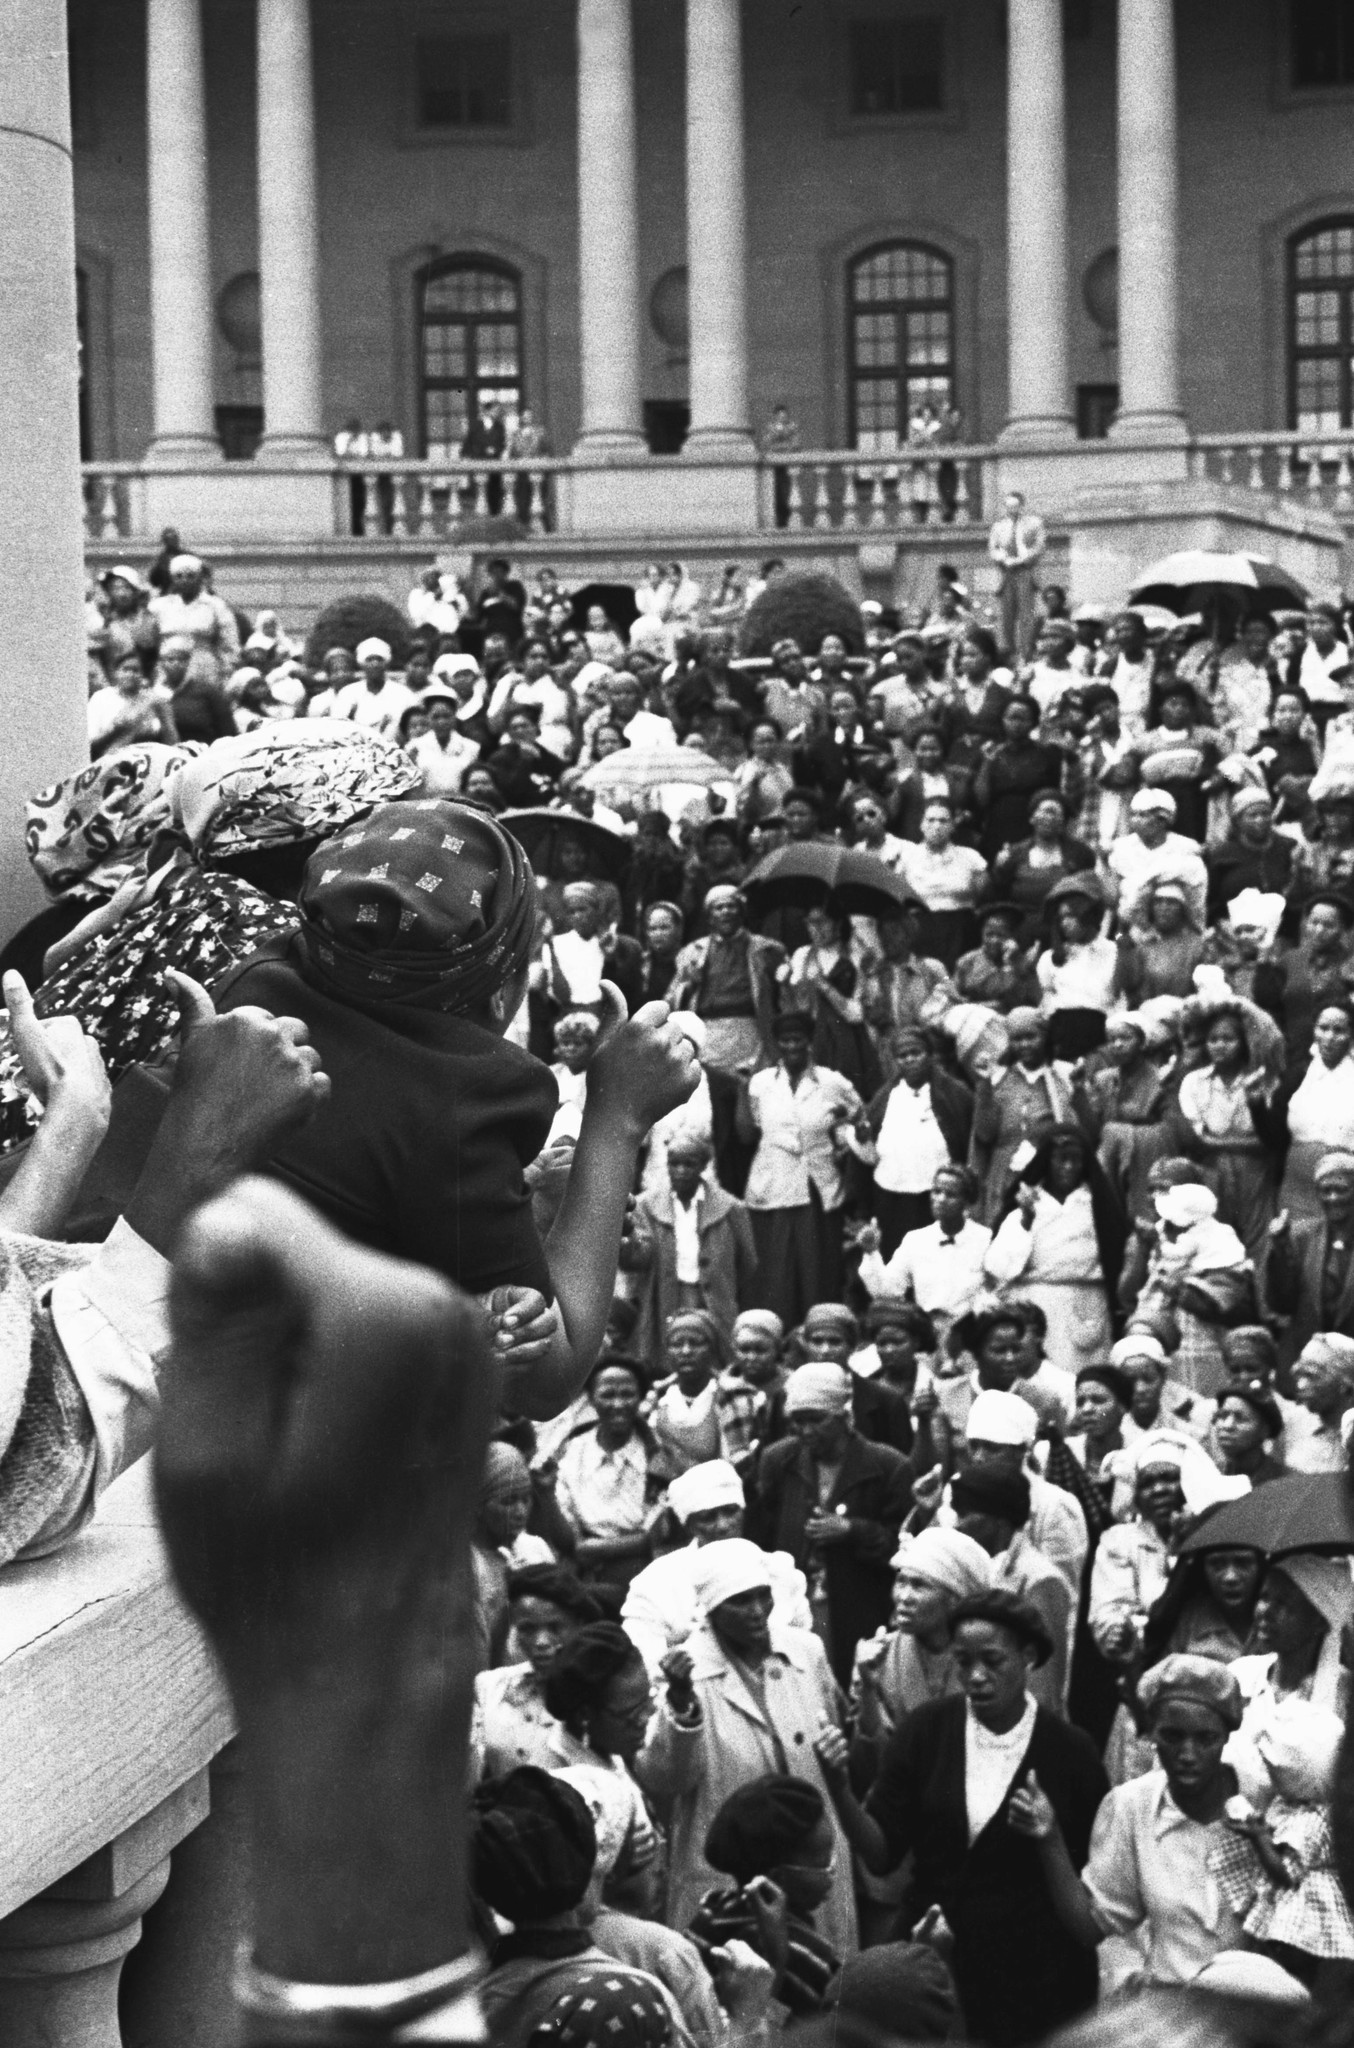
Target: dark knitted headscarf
430 905
534 1845
585 1667
987 1490
761 1825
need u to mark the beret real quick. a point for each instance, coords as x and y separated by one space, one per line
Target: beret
761 1825
983 1490
534 1845
1199 1679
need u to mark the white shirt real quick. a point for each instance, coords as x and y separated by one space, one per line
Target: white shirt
796 1148
1148 1867
686 1231
647 729
1131 682
1060 1245
942 1274
444 768
945 878
382 709
602 1492
910 1142
1083 981
1136 867
990 1764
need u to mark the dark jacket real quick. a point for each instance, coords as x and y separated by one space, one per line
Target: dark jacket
874 1490
952 1103
1019 1973
728 1263
1233 867
1294 1265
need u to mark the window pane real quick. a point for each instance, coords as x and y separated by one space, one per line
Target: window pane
508 395
463 81
1322 42
1318 394
444 351
897 67
1316 319
928 338
905 271
1328 254
446 421
876 414
933 391
876 341
495 351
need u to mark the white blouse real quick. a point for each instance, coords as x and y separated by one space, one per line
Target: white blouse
1322 1106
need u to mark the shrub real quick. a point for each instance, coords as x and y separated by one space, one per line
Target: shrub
352 619
802 605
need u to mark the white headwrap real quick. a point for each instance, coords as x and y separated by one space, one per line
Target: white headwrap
997 1418
818 1388
714 1484
1201 1483
948 1559
1144 800
1329 1349
1260 909
728 1568
372 647
184 565
1138 1344
1184 1206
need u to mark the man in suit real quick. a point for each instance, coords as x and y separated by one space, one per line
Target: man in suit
835 1502
1016 543
1309 1264
703 1252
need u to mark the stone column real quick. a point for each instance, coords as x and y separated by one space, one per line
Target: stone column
608 229
1149 332
289 234
716 228
1036 224
180 238
42 624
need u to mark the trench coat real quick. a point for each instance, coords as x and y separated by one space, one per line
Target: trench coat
689 1773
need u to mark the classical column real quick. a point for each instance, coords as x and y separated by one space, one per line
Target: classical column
716 228
1036 223
42 624
1149 334
289 234
180 241
608 228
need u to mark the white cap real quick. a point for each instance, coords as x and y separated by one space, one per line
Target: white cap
997 1418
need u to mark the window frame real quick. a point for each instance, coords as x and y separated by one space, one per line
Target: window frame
468 130
856 374
1342 350
462 261
1304 91
952 113
427 23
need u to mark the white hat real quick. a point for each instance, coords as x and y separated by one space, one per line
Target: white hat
184 565
819 1388
1259 909
370 648
714 1484
448 666
997 1418
730 1567
1143 800
1184 1206
1138 1344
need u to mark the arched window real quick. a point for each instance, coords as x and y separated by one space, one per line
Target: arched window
900 340
1321 326
470 346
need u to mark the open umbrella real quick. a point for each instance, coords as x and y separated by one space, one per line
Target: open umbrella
1177 581
539 832
1309 1511
616 599
804 876
641 768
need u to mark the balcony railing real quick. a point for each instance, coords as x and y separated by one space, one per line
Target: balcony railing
816 491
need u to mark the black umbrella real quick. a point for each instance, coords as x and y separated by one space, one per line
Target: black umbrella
1309 1511
616 599
802 877
539 832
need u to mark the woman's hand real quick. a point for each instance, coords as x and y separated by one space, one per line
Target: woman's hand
1030 1811
771 1911
743 1982
677 1668
923 1405
1027 1201
929 1490
868 1238
834 1755
643 1067
523 1323
62 1066
828 1529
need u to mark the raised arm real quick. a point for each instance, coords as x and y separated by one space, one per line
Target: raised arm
65 1071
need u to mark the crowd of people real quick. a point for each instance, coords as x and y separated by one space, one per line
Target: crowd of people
877 1123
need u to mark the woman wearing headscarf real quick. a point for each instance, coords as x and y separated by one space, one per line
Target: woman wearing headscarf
1159 956
948 1791
753 1699
1079 969
1318 1112
245 814
547 1605
1029 1095
1149 1872
1222 1117
1125 1104
686 1413
921 1122
1207 1607
776 1830
411 960
1305 1604
911 1659
1174 1479
1061 1245
1197 1271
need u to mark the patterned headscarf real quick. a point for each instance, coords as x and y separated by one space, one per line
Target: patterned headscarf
607 2002
287 782
91 831
427 904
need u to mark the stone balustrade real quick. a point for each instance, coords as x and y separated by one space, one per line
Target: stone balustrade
113 1711
1317 469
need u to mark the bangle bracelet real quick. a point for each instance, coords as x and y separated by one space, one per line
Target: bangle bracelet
351 2009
